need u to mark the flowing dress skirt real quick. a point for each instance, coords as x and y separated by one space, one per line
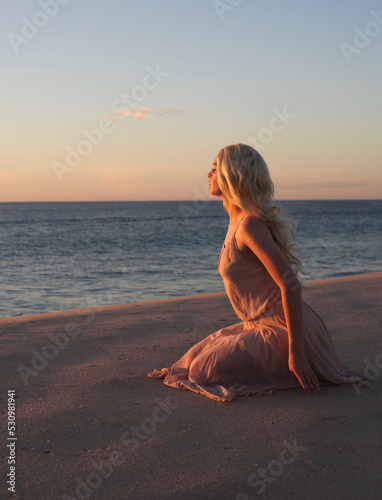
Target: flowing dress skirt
251 358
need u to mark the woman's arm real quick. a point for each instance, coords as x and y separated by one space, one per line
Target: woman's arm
254 236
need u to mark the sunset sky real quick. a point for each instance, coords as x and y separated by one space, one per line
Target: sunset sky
132 100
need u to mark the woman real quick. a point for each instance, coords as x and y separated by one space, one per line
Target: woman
281 342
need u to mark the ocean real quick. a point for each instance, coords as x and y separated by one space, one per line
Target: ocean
59 256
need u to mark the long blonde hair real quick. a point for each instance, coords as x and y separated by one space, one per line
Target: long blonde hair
243 178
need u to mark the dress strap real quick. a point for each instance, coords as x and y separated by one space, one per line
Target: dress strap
237 227
230 239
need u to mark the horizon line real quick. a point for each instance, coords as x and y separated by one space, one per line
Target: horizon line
186 201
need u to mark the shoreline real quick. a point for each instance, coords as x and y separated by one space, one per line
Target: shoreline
90 423
305 284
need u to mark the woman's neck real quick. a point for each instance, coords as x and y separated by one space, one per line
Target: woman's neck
234 212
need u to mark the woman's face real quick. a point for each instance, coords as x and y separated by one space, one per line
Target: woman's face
213 180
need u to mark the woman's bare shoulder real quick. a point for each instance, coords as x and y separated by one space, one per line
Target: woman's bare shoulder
253 234
253 225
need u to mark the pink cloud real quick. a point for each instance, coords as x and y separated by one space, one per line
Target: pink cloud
143 113
140 113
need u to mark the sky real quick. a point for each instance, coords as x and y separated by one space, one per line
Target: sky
124 100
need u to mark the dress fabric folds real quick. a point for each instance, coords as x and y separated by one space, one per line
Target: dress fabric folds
251 357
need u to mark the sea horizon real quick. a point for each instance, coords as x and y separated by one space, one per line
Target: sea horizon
191 200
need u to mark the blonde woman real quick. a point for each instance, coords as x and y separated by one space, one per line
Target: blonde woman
281 342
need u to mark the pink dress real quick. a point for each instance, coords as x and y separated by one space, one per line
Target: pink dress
251 357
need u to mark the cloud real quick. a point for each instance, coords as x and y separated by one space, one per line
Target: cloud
143 113
140 113
166 111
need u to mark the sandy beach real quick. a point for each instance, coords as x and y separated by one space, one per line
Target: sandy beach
91 424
